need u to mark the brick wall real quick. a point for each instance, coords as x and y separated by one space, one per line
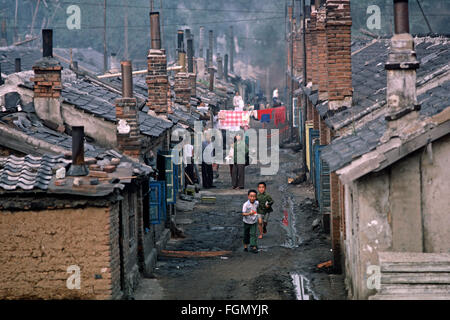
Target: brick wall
129 143
338 28
193 84
308 40
38 247
157 81
316 118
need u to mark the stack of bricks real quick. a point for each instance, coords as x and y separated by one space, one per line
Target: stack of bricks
157 81
47 78
322 56
338 28
129 143
182 89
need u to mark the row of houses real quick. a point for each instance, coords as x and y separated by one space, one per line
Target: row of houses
87 183
377 149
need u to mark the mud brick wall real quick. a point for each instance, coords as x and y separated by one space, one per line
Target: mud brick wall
38 246
128 143
338 26
157 81
182 88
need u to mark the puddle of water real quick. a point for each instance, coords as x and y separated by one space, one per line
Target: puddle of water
302 290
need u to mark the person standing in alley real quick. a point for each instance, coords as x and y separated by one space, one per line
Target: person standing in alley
264 208
250 218
275 96
207 170
238 173
188 153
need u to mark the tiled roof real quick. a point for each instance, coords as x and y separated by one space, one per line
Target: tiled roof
344 150
27 173
28 57
369 76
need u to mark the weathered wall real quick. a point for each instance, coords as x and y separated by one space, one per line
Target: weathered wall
404 208
435 201
373 229
104 132
38 247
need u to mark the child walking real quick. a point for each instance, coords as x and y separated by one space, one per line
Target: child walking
264 208
249 213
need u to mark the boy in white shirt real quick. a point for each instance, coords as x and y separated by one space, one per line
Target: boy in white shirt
250 218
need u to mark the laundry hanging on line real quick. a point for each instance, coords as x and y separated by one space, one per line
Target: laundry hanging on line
233 119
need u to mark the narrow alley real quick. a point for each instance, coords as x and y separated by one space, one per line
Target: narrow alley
292 246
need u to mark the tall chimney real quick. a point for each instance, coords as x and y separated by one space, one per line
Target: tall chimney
401 69
190 55
338 26
231 50
219 66
211 79
78 167
155 31
225 67
207 58
47 83
17 65
201 41
210 47
127 116
180 40
3 37
187 34
157 80
47 38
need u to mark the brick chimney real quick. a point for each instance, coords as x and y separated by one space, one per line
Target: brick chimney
201 41
322 53
157 80
314 53
182 88
127 116
401 69
47 83
338 28
211 79
17 65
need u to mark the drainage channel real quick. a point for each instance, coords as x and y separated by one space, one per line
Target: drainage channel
288 221
302 289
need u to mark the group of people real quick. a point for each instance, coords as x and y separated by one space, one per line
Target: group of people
256 211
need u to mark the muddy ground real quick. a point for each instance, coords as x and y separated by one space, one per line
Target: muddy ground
291 246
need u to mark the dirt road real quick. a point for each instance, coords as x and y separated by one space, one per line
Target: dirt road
290 247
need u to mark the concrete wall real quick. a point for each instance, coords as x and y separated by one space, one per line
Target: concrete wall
403 208
104 132
38 247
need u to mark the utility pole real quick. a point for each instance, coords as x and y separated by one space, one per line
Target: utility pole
305 101
424 16
125 37
105 59
291 111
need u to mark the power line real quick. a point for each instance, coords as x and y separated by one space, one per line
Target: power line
169 8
